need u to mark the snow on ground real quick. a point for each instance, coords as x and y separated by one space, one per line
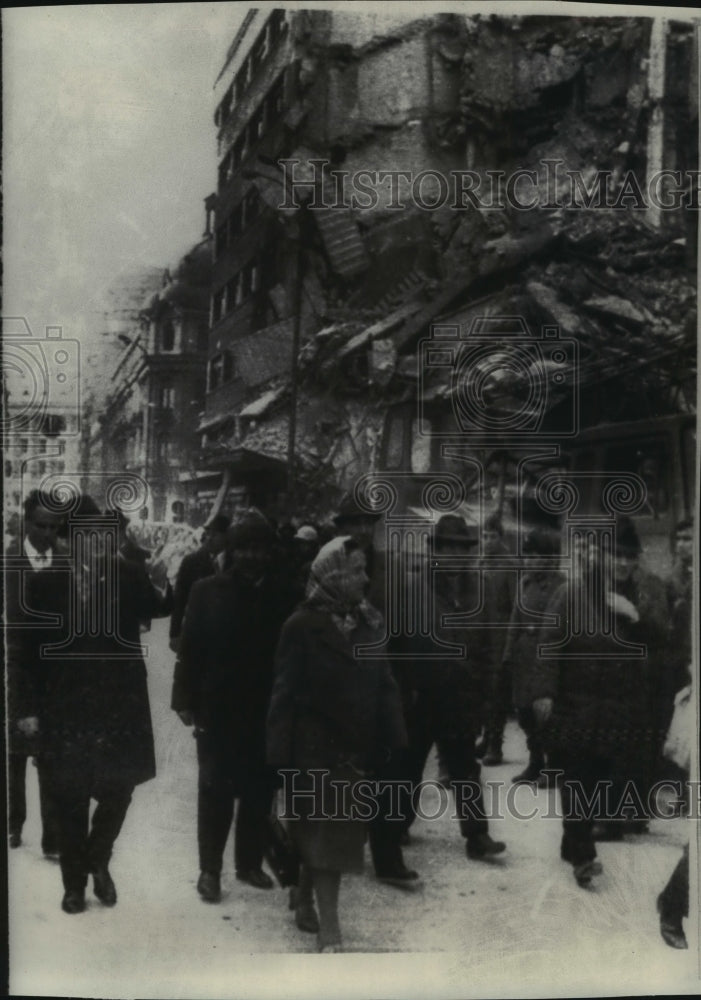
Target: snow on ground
516 926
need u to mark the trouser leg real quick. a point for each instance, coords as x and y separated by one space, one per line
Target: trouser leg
674 898
464 770
112 803
534 743
255 804
327 886
215 808
17 796
72 800
581 791
47 805
393 814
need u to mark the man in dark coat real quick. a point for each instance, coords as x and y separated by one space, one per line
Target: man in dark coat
39 550
536 588
449 694
88 699
222 684
502 591
208 560
596 704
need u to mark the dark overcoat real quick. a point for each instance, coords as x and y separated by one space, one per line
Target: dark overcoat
91 696
604 704
452 692
521 649
195 566
328 707
224 670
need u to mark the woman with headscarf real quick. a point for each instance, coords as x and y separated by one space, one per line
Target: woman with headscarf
333 716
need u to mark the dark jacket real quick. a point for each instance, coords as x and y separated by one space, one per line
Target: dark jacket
328 707
195 566
521 649
224 670
455 689
90 694
20 615
605 704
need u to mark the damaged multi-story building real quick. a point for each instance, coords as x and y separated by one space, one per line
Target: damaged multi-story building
146 424
382 176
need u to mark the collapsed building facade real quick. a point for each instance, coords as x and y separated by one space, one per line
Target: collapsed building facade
382 177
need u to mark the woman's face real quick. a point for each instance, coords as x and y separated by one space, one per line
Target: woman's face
355 579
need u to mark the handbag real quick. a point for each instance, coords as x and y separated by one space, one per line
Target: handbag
280 853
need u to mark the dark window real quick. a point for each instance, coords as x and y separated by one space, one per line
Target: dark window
217 305
275 101
239 150
277 26
168 335
167 400
202 337
259 52
8 468
251 206
221 240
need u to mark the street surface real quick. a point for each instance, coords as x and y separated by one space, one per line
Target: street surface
516 926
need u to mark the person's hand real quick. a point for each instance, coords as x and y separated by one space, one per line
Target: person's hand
620 605
187 718
28 726
542 710
174 644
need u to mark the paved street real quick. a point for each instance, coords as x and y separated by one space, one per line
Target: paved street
519 925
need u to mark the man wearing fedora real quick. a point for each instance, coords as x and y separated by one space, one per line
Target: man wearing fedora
449 694
222 686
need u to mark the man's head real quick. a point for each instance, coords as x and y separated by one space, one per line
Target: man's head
684 542
628 548
41 523
249 545
356 522
214 534
306 542
492 534
453 537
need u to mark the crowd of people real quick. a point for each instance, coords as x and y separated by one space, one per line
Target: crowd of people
284 670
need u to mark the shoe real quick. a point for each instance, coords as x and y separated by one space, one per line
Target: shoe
399 876
586 871
483 846
307 918
255 877
15 839
330 949
103 886
493 757
209 887
609 832
671 929
73 901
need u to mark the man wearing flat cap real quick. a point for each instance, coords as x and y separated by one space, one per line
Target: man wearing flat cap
222 685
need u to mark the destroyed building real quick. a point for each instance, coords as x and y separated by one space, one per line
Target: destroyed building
146 422
381 175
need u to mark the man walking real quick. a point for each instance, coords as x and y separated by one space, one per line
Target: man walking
222 686
88 699
39 554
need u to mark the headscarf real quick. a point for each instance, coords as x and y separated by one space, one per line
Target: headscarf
326 587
